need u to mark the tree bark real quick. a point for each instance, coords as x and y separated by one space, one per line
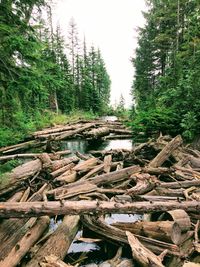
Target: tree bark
27 241
59 242
141 254
36 209
166 152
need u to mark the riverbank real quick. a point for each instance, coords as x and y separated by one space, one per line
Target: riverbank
19 132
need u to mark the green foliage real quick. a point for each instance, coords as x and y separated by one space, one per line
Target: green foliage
36 77
167 69
8 166
153 121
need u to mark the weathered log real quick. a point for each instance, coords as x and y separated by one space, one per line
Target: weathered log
33 155
144 183
60 171
182 184
179 216
20 146
107 163
59 242
114 137
97 133
57 164
166 152
12 180
86 165
69 176
26 242
72 190
167 231
121 131
115 176
109 232
12 230
35 209
53 261
96 170
141 254
191 264
69 134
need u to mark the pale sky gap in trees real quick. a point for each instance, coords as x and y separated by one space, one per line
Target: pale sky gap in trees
110 25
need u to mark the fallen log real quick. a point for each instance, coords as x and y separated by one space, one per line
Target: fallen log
115 176
109 232
114 137
11 181
97 133
107 163
59 242
69 134
121 131
36 209
86 165
60 171
141 254
53 261
27 241
167 231
166 152
33 155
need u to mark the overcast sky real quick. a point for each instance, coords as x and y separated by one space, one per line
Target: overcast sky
110 25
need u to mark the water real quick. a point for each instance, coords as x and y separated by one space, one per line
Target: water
93 252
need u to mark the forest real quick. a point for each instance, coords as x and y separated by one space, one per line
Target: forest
42 74
166 86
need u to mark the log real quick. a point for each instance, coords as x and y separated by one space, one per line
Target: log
59 242
72 190
69 134
13 180
69 176
85 165
56 129
107 163
167 231
20 146
96 170
26 242
98 133
191 264
33 155
109 232
166 152
36 209
12 230
182 184
115 176
60 171
53 261
114 137
121 131
144 183
141 254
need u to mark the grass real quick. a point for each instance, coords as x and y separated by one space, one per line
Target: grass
24 126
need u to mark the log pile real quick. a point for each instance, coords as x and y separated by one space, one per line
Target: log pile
158 179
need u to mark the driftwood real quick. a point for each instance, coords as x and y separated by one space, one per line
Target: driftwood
35 209
26 242
167 231
53 261
166 152
141 254
59 242
97 133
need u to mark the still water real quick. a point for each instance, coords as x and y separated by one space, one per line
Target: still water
97 252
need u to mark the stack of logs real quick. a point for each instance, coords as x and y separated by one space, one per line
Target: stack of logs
160 178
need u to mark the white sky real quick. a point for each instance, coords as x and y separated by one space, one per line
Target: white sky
111 26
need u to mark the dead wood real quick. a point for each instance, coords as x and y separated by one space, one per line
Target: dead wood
59 242
166 152
109 232
107 163
60 171
97 133
71 133
141 254
27 241
53 261
35 209
167 231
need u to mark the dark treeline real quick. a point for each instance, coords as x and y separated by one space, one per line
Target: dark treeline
40 72
166 86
